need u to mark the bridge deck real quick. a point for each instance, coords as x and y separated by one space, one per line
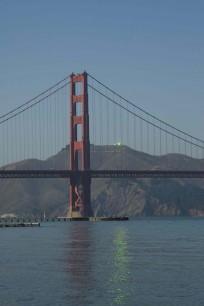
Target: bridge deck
101 173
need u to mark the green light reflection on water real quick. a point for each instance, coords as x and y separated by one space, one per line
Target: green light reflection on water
119 278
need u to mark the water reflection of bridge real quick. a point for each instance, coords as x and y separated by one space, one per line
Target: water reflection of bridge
96 261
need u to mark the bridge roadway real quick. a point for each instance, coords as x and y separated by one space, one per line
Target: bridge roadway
6 174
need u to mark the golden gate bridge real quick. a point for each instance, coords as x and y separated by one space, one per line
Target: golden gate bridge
80 122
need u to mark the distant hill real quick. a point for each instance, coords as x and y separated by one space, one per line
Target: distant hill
132 197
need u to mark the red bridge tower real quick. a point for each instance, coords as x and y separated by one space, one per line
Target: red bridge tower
80 181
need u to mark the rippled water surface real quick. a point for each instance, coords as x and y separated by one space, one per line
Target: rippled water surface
139 262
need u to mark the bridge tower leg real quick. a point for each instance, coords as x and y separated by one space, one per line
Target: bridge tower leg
80 182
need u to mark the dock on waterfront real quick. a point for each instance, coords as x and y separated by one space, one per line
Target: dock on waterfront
93 219
30 224
34 221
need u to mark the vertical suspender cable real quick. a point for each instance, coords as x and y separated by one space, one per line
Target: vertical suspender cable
147 135
28 138
121 135
47 121
24 136
51 136
32 134
154 137
179 144
114 131
92 125
3 143
66 114
35 133
172 141
135 132
128 126
102 113
58 123
94 128
55 123
100 125
11 141
191 148
108 132
19 140
7 140
61 127
140 131
43 130
39 133
203 152
63 121
160 139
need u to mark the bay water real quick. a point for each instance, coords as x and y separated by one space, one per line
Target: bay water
145 261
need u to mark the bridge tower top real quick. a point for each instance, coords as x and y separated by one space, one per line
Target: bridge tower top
79 143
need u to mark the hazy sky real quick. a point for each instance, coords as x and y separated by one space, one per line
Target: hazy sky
150 51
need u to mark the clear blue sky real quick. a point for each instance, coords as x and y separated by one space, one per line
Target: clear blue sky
150 51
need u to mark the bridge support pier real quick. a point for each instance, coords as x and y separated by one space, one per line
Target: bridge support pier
80 191
80 184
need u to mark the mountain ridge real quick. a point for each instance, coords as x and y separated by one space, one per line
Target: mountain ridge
132 197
